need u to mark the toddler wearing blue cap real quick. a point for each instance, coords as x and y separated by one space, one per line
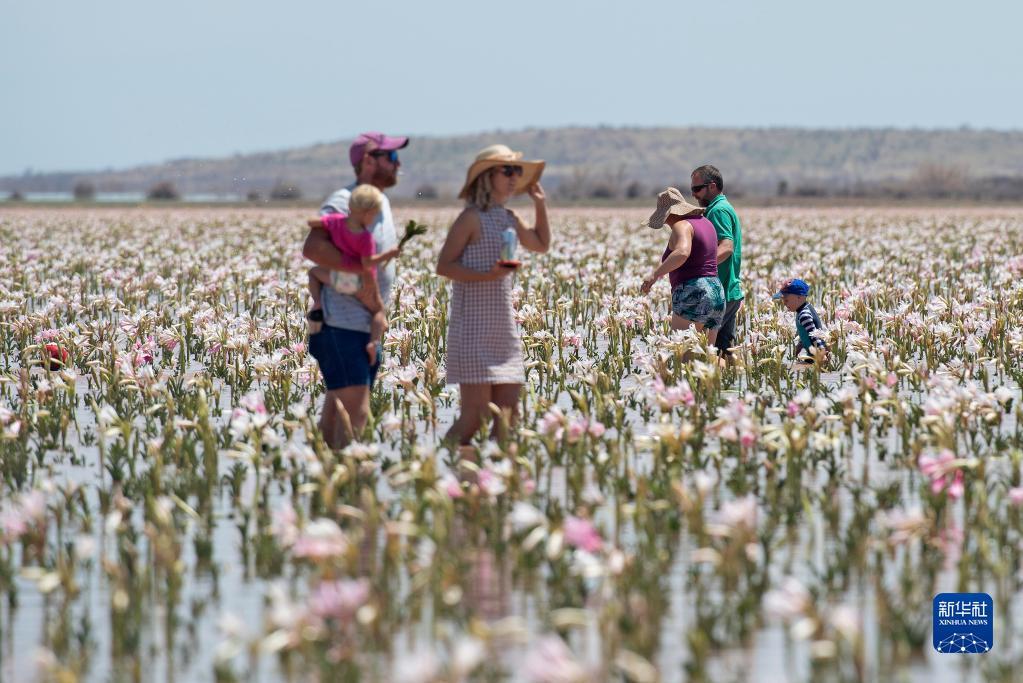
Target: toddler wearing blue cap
808 324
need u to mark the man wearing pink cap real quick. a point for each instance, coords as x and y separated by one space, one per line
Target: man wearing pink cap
340 347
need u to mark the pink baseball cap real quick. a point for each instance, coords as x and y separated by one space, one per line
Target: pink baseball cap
373 141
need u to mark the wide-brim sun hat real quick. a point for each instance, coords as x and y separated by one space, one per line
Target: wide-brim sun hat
501 155
670 202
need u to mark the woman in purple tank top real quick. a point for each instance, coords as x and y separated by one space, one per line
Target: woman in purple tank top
690 261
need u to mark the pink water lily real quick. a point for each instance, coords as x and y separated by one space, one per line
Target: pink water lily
48 335
580 426
552 423
450 484
789 601
490 482
550 661
253 402
321 539
285 525
904 524
12 525
735 423
580 533
339 599
1016 495
143 352
944 472
576 429
738 513
168 340
669 397
27 513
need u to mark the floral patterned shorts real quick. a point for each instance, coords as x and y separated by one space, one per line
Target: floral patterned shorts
700 300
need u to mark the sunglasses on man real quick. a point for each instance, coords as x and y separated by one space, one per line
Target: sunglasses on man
697 188
391 155
509 171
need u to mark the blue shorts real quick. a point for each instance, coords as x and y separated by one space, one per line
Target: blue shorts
342 357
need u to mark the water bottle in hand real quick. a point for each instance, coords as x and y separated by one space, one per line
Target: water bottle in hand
509 243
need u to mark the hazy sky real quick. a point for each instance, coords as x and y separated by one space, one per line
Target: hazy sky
112 83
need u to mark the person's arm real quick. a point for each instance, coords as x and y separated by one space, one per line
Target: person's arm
724 226
379 258
461 233
806 320
725 249
319 249
537 238
682 236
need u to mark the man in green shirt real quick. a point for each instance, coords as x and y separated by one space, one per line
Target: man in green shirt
708 189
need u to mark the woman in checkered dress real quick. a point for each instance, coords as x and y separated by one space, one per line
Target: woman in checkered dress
484 350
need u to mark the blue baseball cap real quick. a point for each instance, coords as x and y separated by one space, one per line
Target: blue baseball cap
794 286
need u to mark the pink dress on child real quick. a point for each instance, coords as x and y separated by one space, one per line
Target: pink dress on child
353 246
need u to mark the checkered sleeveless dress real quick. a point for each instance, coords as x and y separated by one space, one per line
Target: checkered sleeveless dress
484 346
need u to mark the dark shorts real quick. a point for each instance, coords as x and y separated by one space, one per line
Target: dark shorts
342 357
726 335
701 300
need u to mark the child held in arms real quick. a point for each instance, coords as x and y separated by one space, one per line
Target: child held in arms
810 344
352 237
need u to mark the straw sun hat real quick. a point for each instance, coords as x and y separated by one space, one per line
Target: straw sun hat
670 202
501 155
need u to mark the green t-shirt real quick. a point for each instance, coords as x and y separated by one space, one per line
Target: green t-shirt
726 223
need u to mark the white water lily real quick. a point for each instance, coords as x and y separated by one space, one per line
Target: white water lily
524 516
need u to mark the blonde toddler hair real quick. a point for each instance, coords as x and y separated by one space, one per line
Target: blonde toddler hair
365 197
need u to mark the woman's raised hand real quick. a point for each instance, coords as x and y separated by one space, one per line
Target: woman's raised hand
536 193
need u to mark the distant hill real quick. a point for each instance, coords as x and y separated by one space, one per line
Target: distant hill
602 161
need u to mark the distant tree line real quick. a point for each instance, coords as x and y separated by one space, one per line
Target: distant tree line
84 191
929 181
937 181
281 191
163 191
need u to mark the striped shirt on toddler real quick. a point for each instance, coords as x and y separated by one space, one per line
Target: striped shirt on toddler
807 323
